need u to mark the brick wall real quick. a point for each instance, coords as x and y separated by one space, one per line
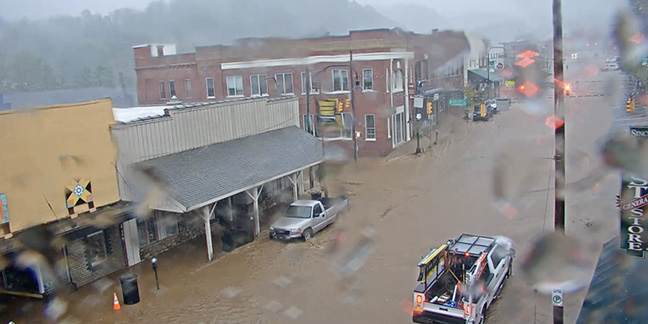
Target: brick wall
194 227
82 272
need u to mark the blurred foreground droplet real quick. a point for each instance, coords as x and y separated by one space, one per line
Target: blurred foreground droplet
357 257
55 308
293 312
556 261
273 306
230 292
282 282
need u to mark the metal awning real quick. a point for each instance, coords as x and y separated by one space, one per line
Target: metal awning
483 74
80 226
205 175
617 293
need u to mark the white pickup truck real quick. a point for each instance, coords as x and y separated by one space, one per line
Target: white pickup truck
459 280
303 218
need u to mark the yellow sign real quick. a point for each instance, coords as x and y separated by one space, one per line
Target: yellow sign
483 110
327 107
510 83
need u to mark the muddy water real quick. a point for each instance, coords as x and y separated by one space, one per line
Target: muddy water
413 204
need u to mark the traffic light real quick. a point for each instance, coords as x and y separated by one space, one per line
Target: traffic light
340 107
429 108
347 103
630 105
567 89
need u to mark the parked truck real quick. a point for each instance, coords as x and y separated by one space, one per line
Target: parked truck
304 218
459 280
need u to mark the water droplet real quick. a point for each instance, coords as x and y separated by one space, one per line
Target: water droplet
273 306
293 312
555 260
230 292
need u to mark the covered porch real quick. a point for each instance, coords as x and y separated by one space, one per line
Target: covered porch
240 171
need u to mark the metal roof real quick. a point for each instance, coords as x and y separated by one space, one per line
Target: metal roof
485 75
617 293
204 175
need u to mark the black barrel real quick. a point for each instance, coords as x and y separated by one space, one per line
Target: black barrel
130 292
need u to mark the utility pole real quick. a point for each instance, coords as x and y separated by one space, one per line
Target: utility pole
559 138
352 88
310 121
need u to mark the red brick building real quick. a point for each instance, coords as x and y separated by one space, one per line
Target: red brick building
387 63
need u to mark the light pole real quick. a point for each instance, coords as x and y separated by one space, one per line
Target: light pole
154 264
352 97
559 137
488 65
353 110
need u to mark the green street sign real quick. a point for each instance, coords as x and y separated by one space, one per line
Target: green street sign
458 102
491 64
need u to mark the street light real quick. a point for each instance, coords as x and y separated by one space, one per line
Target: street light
154 264
488 65
356 87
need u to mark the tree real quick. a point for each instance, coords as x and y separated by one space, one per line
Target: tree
104 77
471 95
29 73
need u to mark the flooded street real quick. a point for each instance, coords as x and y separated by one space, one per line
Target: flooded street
413 204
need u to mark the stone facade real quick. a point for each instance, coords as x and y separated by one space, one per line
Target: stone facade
82 271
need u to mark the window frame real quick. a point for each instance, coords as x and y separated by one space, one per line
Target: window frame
103 244
235 78
364 86
213 86
397 84
162 89
187 89
259 88
172 89
303 85
283 83
373 118
311 123
333 79
146 222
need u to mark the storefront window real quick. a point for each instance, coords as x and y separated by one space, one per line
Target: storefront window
96 245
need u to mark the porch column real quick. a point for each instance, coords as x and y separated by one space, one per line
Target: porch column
231 211
301 182
293 180
205 216
256 192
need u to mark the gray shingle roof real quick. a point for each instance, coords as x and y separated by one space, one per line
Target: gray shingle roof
197 176
618 291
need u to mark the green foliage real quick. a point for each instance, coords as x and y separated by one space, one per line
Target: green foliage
70 45
471 95
27 72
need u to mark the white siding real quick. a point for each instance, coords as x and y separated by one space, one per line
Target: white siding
188 128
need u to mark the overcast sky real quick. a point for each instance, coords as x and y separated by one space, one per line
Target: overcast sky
523 9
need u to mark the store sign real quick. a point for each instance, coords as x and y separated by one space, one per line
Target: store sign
4 212
510 83
632 204
458 102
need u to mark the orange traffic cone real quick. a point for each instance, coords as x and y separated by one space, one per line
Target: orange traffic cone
116 305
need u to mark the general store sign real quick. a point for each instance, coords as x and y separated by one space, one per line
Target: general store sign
632 204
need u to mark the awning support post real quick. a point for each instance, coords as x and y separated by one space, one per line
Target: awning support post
210 249
256 192
231 211
293 180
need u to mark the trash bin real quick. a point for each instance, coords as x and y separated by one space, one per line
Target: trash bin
130 292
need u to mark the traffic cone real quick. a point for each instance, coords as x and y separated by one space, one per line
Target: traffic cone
116 305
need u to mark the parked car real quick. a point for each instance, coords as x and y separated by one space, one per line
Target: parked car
491 105
304 218
611 66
